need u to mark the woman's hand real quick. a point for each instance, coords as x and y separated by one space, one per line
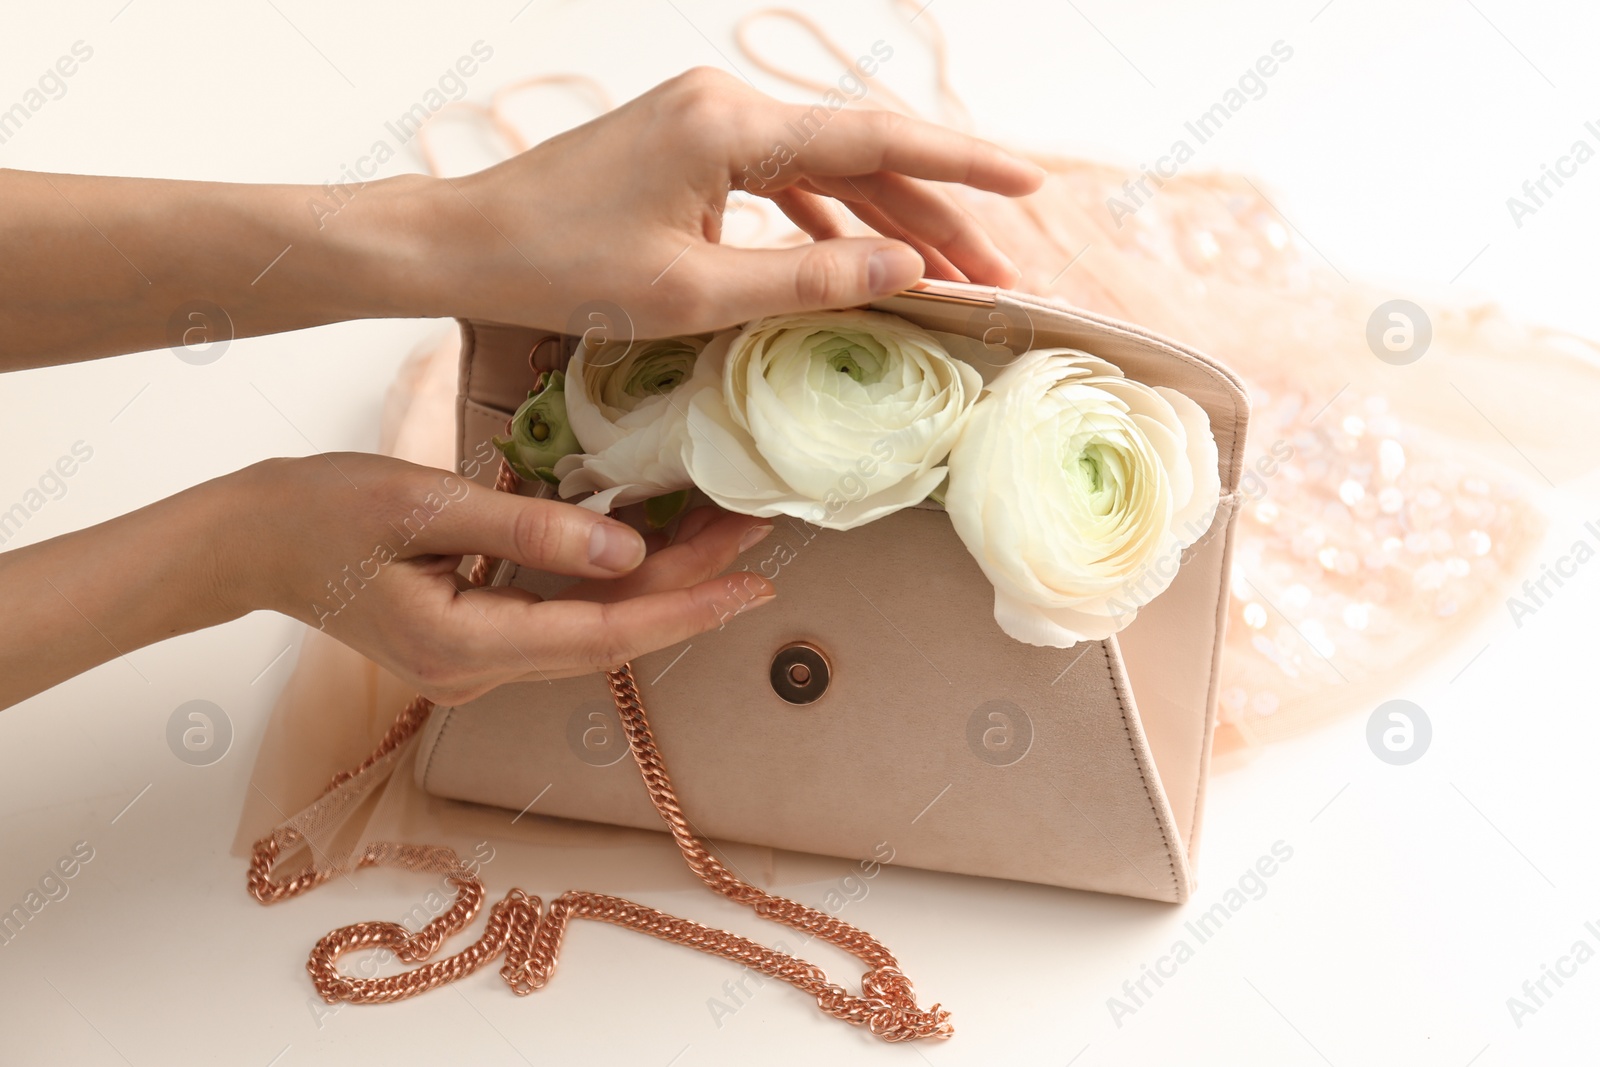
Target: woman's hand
628 209
367 548
624 212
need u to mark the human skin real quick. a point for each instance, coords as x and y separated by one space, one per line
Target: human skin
626 209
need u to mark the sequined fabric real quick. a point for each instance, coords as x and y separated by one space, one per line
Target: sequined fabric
1359 541
1371 538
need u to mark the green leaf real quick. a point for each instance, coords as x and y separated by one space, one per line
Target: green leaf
509 450
660 510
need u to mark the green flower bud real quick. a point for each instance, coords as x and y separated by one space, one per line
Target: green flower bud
540 433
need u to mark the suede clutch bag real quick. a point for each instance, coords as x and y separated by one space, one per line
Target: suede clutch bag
919 726
875 711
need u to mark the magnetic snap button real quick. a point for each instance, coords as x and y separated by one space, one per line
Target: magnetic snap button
800 673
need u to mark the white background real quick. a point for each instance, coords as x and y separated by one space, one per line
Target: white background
1418 898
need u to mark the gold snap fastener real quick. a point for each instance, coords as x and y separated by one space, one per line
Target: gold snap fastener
800 673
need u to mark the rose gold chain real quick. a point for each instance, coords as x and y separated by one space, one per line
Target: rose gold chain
529 934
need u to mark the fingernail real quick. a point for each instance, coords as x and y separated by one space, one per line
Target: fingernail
887 270
615 547
756 602
754 536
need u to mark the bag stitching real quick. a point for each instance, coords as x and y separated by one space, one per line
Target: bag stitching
1105 654
1217 634
481 408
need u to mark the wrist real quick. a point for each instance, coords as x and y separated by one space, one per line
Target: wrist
383 243
250 516
450 251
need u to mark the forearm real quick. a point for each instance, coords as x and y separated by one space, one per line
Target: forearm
78 600
93 266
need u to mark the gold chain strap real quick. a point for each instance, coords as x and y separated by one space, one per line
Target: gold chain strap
529 935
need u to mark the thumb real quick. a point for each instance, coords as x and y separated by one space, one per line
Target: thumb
534 532
837 273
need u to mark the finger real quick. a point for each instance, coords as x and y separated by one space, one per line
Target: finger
704 554
935 265
695 521
546 534
816 215
928 215
844 271
862 142
564 637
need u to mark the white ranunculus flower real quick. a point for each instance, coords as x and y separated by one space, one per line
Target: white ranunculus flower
1076 490
626 402
835 417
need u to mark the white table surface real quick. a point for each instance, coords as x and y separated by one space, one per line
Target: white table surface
1418 899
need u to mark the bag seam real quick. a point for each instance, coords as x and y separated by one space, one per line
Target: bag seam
1144 780
438 743
1214 683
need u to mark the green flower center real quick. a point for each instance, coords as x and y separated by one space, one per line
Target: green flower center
1095 472
654 380
860 358
660 369
1090 470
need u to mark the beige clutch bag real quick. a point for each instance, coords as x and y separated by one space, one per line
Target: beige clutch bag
875 709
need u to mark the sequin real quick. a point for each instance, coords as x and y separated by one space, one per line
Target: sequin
1316 635
1391 459
1264 703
